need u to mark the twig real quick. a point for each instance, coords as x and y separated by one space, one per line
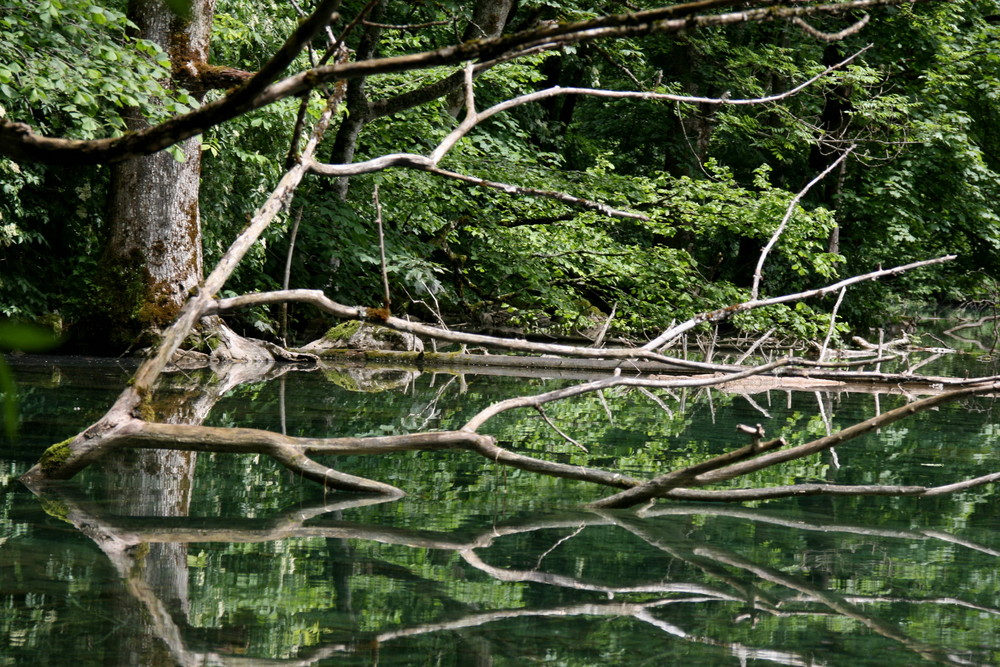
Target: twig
538 563
381 248
541 411
760 341
832 36
599 341
656 399
288 275
407 26
833 321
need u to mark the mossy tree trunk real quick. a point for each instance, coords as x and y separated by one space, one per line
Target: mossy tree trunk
153 257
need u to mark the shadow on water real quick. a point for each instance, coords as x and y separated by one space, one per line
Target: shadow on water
230 560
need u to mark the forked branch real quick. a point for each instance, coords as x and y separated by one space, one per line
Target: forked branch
19 142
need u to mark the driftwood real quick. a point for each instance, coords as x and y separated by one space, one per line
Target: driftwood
128 423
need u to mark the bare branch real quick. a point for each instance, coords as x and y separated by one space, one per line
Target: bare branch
758 272
833 323
381 249
88 446
407 26
18 142
832 36
659 486
726 313
535 192
753 348
491 411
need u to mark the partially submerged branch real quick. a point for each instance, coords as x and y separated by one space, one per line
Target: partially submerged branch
665 485
64 460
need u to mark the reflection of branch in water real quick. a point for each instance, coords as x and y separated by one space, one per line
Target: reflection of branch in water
638 611
831 600
742 652
538 563
682 550
882 599
117 536
798 524
550 579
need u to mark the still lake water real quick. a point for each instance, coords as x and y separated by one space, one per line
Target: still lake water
231 560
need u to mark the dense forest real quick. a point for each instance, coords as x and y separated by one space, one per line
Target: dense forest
606 177
695 187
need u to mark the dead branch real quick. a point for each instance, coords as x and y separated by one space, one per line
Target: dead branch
563 197
18 142
832 36
491 411
833 323
318 299
726 313
65 460
759 270
663 486
473 118
407 26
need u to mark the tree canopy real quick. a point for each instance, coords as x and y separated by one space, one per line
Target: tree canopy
699 181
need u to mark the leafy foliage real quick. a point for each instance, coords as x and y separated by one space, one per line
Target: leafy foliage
713 180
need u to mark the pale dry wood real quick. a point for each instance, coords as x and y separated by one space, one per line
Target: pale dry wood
725 313
473 118
665 487
758 272
121 418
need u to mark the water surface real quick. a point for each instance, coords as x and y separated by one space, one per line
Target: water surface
232 560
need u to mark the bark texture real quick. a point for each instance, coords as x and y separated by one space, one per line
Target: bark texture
153 252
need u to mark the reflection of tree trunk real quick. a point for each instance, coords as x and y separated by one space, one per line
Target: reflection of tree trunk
340 561
155 483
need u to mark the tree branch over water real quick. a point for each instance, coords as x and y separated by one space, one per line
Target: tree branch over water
127 423
20 143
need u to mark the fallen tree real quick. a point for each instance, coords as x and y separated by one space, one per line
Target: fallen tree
129 424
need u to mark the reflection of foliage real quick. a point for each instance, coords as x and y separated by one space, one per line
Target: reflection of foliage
23 338
573 586
287 597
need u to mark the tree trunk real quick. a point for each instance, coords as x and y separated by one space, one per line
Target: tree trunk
153 254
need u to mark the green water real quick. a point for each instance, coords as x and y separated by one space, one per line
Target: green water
241 563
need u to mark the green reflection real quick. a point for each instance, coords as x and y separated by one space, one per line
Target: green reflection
481 564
